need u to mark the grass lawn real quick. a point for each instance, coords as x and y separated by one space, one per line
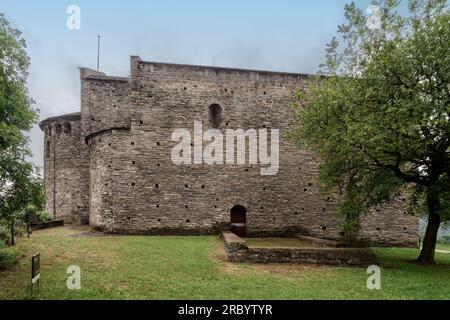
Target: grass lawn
443 246
139 267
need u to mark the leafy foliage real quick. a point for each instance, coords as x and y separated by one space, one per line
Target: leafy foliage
20 182
380 119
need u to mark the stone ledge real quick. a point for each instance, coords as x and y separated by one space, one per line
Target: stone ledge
47 225
238 251
233 242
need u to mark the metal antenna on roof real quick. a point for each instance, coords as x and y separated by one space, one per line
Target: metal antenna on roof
98 53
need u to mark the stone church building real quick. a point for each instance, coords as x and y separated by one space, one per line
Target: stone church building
110 165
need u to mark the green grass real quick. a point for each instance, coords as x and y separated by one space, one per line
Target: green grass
443 246
139 267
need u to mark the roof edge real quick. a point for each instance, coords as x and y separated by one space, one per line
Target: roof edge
68 116
226 69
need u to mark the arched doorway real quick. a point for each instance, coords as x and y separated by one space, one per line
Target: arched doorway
239 221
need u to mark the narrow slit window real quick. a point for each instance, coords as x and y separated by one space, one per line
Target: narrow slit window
215 115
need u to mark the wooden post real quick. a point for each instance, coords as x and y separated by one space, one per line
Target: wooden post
35 270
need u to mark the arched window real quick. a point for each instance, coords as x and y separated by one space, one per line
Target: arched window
49 131
67 128
58 129
47 150
215 115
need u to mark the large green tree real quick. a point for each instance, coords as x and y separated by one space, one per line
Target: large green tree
20 182
380 118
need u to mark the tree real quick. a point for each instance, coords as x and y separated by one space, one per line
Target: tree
380 118
20 183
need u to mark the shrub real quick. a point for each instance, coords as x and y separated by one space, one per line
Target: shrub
5 233
9 257
43 216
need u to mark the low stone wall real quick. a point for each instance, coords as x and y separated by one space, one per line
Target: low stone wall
46 225
238 251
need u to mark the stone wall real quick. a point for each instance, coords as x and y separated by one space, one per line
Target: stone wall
62 169
129 184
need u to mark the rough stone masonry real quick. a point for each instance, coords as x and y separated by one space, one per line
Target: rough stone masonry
110 164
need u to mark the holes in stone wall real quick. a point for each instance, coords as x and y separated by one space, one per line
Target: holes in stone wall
186 207
159 220
158 144
186 186
132 143
324 228
156 186
188 221
133 184
134 162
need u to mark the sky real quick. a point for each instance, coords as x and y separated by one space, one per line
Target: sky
282 35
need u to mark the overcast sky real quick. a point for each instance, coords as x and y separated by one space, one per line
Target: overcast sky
273 35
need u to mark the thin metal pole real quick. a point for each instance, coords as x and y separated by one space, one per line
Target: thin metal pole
98 53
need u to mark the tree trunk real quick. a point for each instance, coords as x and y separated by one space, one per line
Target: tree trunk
13 242
434 220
